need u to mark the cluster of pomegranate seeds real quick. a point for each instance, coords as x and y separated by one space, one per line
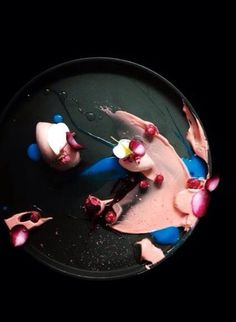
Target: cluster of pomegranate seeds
143 185
18 235
159 179
110 217
151 130
194 183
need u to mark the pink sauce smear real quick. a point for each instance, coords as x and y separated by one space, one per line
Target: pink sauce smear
170 204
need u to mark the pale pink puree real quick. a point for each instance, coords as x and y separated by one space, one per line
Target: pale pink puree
170 204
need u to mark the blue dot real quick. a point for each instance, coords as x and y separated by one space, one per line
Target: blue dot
197 167
57 118
34 152
166 236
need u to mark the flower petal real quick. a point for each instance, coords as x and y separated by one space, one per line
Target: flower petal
72 142
212 183
200 202
121 150
19 235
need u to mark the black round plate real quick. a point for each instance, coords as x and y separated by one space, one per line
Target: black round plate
77 89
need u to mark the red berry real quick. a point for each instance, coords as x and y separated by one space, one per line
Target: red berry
150 130
193 183
92 206
137 147
35 216
143 184
159 179
93 201
110 217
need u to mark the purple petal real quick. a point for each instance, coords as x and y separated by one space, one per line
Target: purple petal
72 142
212 183
18 235
200 202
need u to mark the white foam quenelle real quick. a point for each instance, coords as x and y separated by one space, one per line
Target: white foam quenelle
57 136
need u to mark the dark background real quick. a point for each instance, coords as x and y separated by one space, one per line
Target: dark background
194 64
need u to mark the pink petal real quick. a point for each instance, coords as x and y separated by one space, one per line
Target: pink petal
72 142
212 183
19 235
200 202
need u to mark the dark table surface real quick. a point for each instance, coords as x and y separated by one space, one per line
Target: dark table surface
193 71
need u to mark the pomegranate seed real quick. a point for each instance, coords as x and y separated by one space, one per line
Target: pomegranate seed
18 235
143 184
150 130
193 183
137 147
159 179
110 217
35 216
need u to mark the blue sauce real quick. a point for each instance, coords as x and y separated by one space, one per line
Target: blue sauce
57 118
166 236
107 168
33 152
197 167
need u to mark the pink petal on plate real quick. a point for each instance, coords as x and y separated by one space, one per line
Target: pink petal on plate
212 183
19 235
72 142
200 202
